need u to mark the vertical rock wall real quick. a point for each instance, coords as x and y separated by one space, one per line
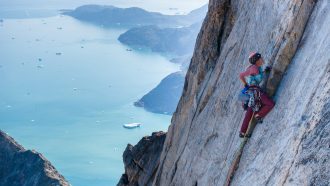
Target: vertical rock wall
290 146
293 146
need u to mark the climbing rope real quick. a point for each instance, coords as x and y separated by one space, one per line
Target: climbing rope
239 152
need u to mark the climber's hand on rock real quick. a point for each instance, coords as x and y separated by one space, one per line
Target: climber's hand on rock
268 69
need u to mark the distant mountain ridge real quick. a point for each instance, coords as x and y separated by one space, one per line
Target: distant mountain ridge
177 41
132 17
173 35
165 96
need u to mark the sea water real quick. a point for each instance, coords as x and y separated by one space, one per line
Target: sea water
40 8
67 88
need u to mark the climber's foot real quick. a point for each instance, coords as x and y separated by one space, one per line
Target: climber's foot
242 135
259 119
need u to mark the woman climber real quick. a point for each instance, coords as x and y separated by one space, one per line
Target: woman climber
258 103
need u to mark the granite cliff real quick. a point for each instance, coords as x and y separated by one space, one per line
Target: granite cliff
291 147
141 161
20 167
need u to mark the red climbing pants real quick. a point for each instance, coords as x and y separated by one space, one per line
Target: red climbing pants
266 106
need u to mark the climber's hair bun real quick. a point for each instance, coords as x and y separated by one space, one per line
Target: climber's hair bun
254 57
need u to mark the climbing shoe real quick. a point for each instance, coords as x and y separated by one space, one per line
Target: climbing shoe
245 105
242 135
259 119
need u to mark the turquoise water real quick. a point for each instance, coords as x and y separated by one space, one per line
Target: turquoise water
66 89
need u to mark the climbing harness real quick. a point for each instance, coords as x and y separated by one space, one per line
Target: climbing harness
255 98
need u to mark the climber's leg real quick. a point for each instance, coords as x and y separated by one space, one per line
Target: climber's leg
246 121
267 105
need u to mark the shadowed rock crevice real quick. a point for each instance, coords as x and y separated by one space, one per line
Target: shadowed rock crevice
289 43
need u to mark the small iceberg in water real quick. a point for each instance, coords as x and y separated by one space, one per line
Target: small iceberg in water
131 125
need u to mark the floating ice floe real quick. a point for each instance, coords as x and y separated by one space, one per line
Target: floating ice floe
131 125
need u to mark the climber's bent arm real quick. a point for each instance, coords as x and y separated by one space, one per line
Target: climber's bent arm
251 70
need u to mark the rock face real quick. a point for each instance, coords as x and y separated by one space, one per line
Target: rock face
291 147
20 167
141 161
164 98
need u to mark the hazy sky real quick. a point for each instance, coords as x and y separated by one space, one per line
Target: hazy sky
152 5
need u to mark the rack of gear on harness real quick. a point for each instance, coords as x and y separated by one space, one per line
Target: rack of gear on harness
255 99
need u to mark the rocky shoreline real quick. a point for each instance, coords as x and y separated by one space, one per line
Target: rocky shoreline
164 98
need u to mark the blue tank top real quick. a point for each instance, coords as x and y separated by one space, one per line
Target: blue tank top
255 80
